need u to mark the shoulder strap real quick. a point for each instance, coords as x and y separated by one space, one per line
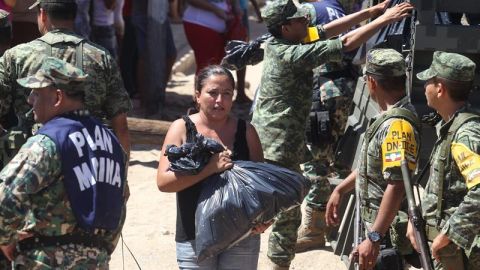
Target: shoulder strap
191 128
445 156
240 145
373 128
78 52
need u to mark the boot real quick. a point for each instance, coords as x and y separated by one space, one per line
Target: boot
274 266
311 234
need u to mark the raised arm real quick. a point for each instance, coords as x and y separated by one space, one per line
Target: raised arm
357 37
169 181
345 23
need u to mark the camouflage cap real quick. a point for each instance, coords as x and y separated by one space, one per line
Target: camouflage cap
452 66
52 2
4 21
385 62
56 72
278 11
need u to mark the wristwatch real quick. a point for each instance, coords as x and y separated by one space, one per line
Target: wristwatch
375 237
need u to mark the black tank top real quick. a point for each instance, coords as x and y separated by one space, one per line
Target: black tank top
187 199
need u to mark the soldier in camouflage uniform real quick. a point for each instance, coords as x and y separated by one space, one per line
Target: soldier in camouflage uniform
284 96
70 227
451 200
390 138
334 84
106 96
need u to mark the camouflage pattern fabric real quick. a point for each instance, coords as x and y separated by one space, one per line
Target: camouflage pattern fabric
56 72
385 62
336 96
285 96
378 174
323 162
461 193
280 115
383 165
73 257
105 95
450 66
33 199
282 239
278 12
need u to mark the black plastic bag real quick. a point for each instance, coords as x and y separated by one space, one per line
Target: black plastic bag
232 202
239 54
191 157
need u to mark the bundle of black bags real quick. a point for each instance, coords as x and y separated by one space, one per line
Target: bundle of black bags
232 202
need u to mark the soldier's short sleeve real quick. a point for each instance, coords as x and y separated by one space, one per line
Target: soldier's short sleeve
117 99
35 167
462 226
309 56
400 143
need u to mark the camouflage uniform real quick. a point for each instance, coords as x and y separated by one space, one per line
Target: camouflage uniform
396 139
460 213
282 106
105 95
335 93
32 188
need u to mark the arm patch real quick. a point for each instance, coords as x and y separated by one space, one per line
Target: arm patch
399 144
468 163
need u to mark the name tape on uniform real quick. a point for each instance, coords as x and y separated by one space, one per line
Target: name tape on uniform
468 162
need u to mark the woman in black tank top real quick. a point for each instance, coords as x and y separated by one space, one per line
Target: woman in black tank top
213 94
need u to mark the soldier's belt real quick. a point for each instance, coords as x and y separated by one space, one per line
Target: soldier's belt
42 241
431 232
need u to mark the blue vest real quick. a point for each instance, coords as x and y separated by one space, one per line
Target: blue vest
327 11
94 169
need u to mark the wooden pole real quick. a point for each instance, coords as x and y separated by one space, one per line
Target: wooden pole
146 131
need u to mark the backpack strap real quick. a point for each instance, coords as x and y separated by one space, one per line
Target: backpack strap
445 156
372 130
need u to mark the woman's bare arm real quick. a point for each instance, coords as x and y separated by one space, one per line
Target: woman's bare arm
168 181
254 145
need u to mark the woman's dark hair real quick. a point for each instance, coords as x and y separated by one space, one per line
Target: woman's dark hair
59 11
208 71
457 90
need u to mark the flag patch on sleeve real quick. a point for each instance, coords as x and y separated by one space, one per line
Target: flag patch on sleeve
399 143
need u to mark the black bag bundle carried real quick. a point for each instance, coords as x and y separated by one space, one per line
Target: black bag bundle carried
232 202
191 157
239 54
